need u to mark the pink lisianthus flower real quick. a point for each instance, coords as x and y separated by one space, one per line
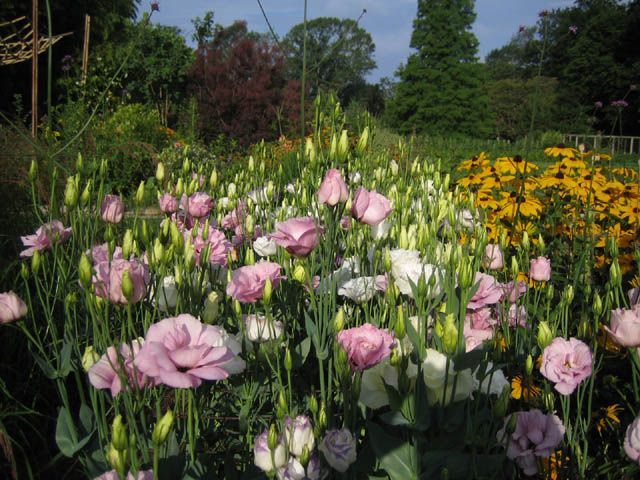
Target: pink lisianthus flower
625 326
493 258
218 244
12 307
366 346
199 205
113 475
298 236
370 208
181 351
247 283
536 436
566 363
513 291
113 367
45 237
540 269
333 189
235 218
139 274
168 203
479 326
632 440
489 291
112 209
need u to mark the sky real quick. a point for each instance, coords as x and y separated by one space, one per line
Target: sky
388 21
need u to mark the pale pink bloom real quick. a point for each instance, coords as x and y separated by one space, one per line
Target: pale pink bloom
493 258
200 178
102 267
481 319
235 218
540 269
632 440
634 295
113 367
474 338
333 189
168 203
566 363
183 220
366 345
45 237
181 351
112 209
370 208
298 236
142 475
536 436
139 273
517 315
339 449
218 244
247 283
12 307
489 291
199 205
513 292
625 327
266 459
345 223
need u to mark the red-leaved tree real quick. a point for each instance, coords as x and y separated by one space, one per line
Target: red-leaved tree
239 81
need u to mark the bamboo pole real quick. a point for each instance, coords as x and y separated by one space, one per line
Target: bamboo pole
34 69
85 48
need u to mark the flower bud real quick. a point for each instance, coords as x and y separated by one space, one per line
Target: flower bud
305 456
186 166
179 188
363 140
288 362
24 272
33 170
177 274
597 304
614 272
35 262
322 417
249 257
513 422
176 236
525 241
118 460
501 407
211 308
550 291
272 437
528 365
127 285
160 173
545 335
162 428
84 271
299 274
549 401
310 150
395 358
313 405
268 290
237 308
450 334
399 329
119 438
71 193
567 295
213 179
89 358
127 243
343 145
387 260
140 194
86 194
104 166
515 269
338 321
333 148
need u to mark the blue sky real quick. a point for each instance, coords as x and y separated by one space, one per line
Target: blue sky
388 21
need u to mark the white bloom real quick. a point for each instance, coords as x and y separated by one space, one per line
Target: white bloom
355 177
465 219
259 195
299 434
262 457
168 295
339 449
265 247
233 343
224 202
290 188
407 268
373 393
259 329
361 289
436 375
493 383
381 230
350 267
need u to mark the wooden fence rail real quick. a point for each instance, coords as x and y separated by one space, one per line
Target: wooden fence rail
613 143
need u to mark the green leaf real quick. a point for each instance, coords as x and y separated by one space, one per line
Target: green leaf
469 359
86 418
45 366
395 454
67 435
65 360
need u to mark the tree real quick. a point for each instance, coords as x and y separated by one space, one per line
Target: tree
439 91
239 82
339 53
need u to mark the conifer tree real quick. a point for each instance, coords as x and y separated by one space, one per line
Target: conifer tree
440 88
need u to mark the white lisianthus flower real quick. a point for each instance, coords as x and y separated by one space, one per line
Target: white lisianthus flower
259 195
360 290
464 218
407 268
493 383
265 247
373 393
262 455
224 203
381 230
355 177
299 434
339 449
259 329
290 188
436 377
168 295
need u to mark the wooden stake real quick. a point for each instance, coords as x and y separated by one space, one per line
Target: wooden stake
85 48
34 69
